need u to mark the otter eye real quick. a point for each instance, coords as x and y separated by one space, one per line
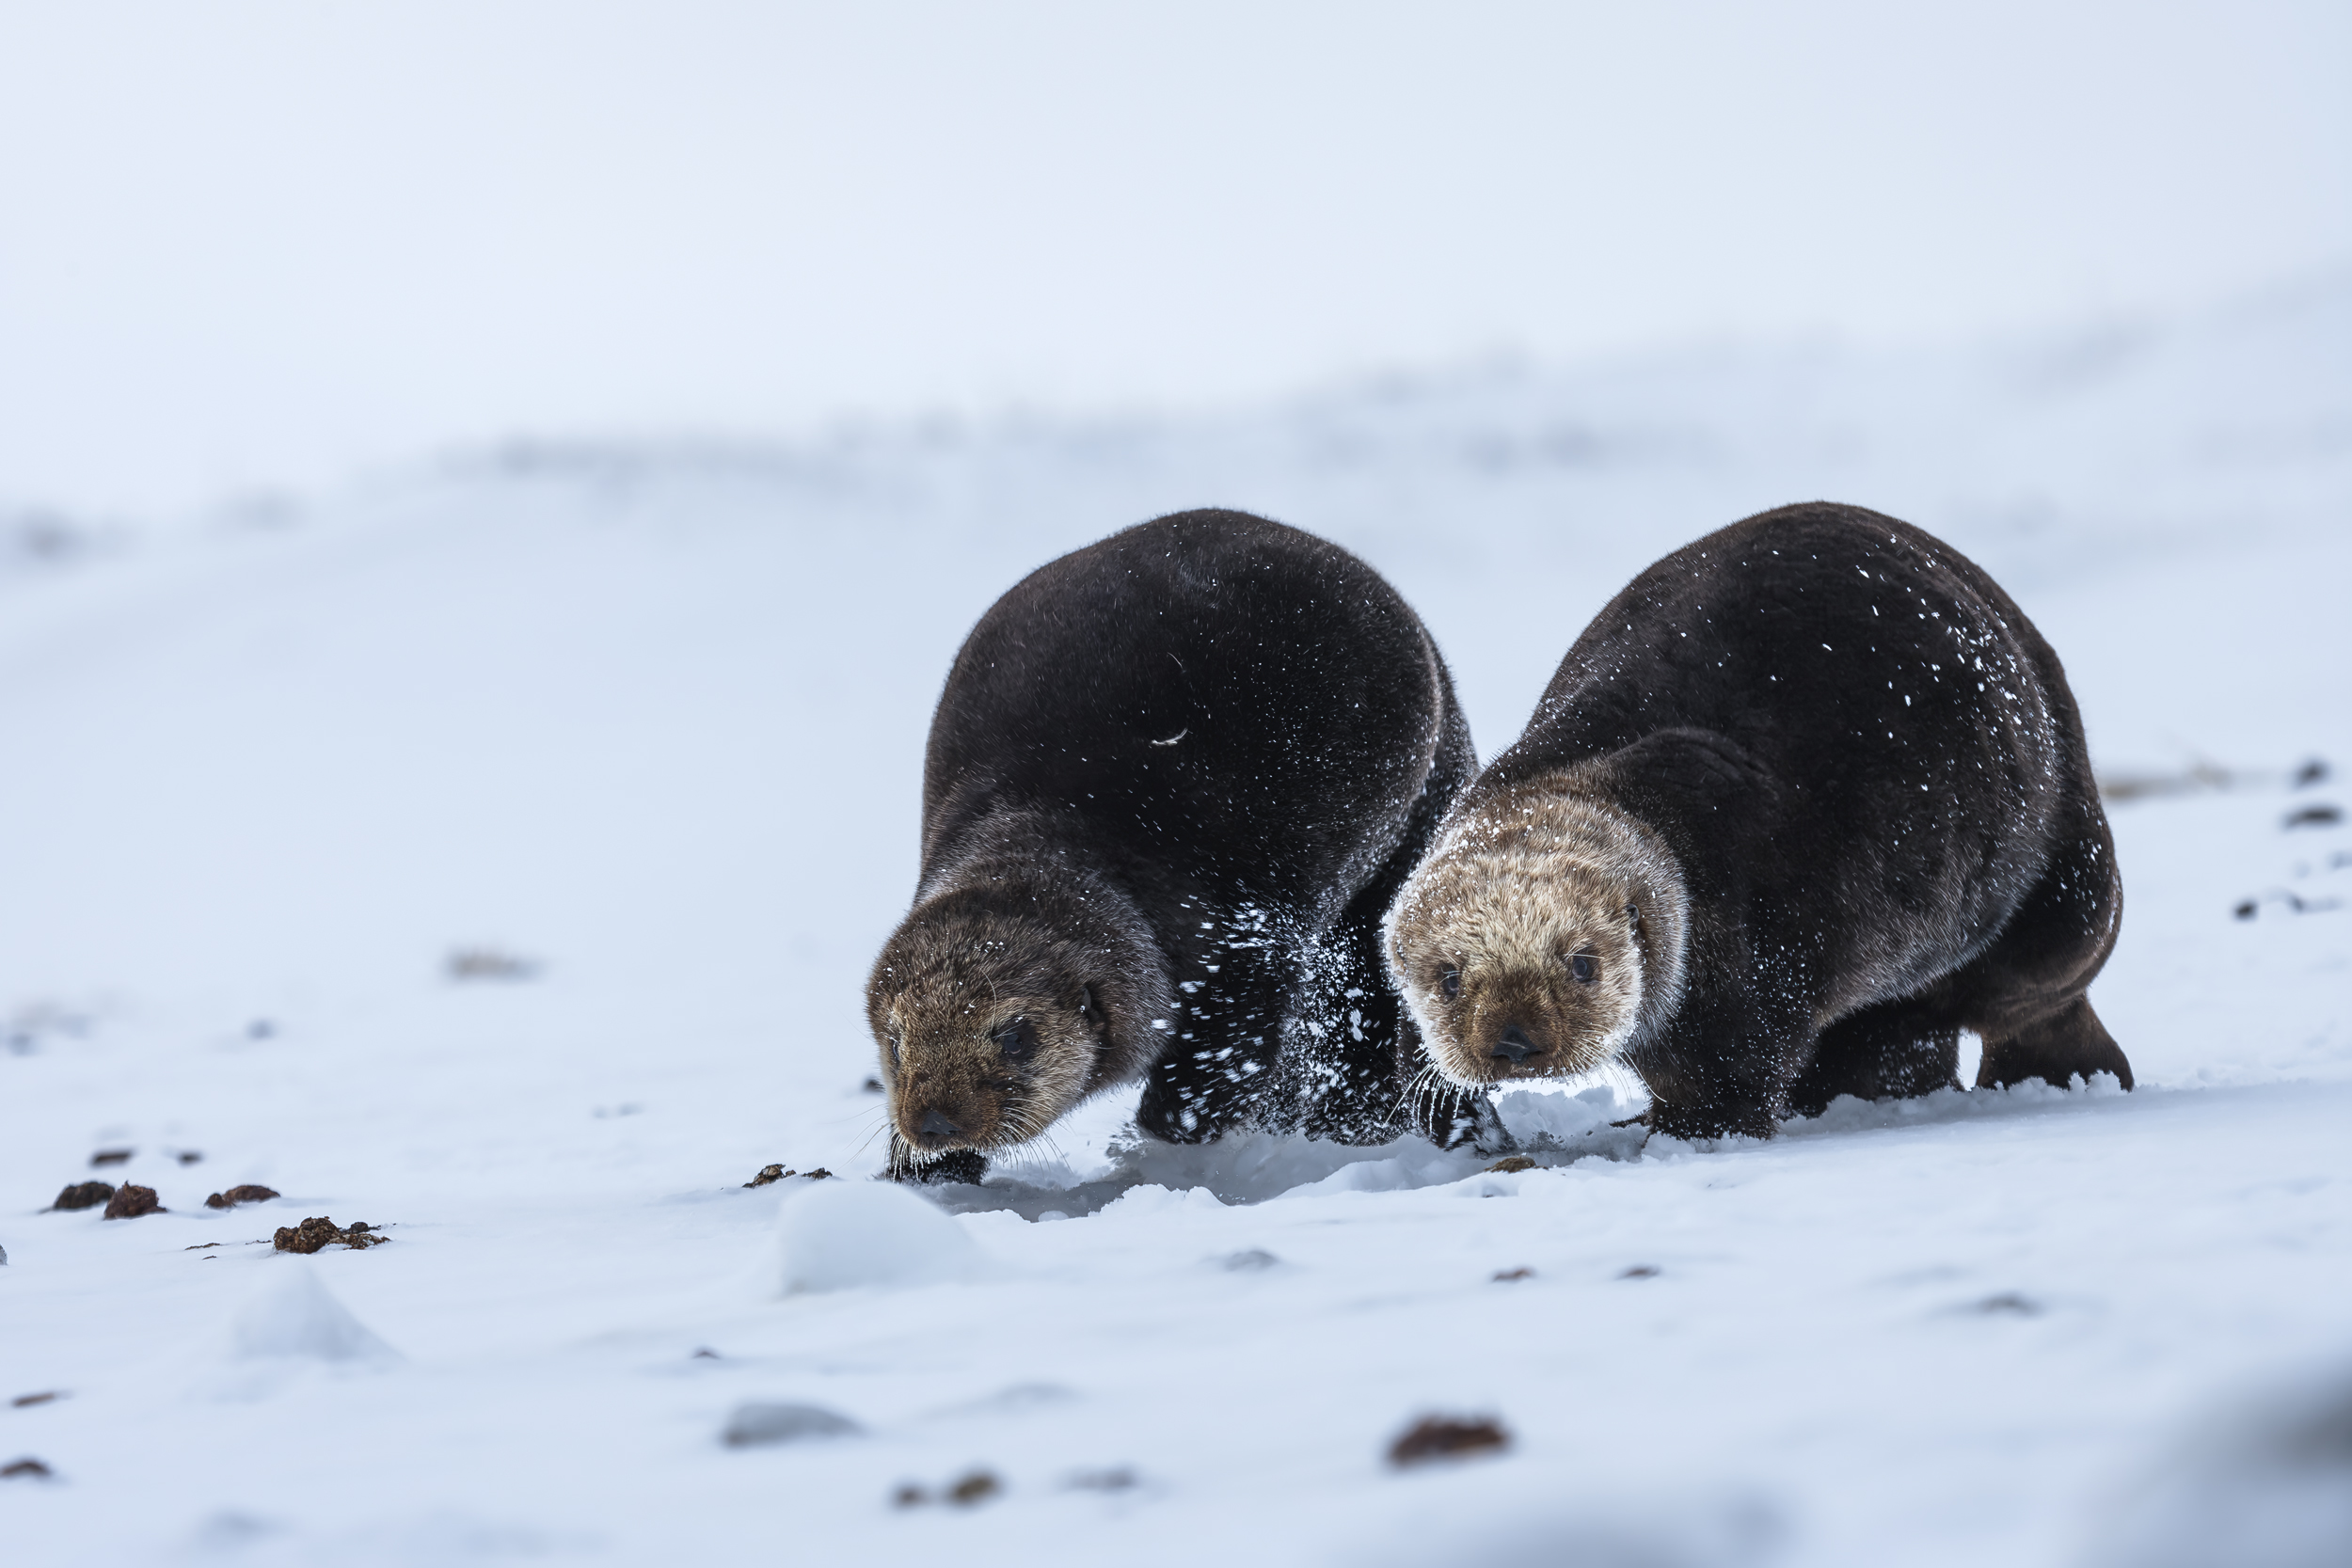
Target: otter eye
1452 985
891 1041
1086 1002
1584 967
1017 1041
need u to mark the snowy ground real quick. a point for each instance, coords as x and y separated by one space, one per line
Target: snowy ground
651 716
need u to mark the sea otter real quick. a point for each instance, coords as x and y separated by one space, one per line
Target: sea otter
1173 782
1809 798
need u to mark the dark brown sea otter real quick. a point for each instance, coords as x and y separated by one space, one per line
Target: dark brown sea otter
1807 800
1173 782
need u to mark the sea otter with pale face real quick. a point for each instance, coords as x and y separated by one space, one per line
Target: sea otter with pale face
1807 800
1174 781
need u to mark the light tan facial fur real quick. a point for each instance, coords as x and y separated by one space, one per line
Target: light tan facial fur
1518 887
988 1029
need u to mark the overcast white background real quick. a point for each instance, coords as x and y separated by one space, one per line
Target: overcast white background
266 243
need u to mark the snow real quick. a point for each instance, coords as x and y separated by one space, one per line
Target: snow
784 1423
292 1314
648 720
841 1235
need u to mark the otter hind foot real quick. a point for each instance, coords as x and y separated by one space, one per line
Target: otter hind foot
2068 1044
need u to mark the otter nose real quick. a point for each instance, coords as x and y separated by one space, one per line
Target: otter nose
1515 1045
937 1126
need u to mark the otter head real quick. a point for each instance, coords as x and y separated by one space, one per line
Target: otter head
990 1023
1538 939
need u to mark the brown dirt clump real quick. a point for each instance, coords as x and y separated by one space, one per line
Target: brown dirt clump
30 1468
967 1491
1448 1437
1503 1276
85 1194
112 1156
319 1231
1511 1163
235 1196
778 1173
23 1401
131 1200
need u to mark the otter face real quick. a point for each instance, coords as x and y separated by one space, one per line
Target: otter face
1517 966
987 1032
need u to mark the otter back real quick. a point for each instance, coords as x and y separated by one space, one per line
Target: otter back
1850 778
1172 781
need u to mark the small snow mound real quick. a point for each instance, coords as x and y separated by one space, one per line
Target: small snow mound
294 1316
1152 1198
755 1423
840 1235
1376 1175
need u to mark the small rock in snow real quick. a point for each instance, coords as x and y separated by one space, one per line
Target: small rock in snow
1448 1437
132 1200
320 1232
966 1491
1511 1163
1250 1261
85 1194
22 1401
2321 815
490 963
1118 1478
1641 1271
27 1469
1503 1276
112 1156
235 1196
769 1174
755 1423
838 1235
2008 1303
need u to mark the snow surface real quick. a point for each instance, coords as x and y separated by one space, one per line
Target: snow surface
639 728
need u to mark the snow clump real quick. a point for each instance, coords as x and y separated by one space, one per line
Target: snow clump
292 1317
839 1235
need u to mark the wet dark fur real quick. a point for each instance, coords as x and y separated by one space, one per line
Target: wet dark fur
1221 896
1866 878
